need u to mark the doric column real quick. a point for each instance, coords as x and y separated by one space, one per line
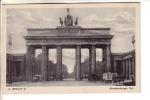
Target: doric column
44 63
78 62
89 69
115 66
104 60
93 59
59 76
13 72
29 62
108 59
124 67
127 68
130 69
9 70
133 66
22 71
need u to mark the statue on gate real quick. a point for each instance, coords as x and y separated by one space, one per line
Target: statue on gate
76 21
68 19
61 21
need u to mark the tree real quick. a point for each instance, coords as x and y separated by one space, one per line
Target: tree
85 67
51 69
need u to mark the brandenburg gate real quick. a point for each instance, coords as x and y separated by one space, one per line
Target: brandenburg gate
67 35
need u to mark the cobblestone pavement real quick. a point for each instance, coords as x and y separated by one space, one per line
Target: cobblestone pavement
66 82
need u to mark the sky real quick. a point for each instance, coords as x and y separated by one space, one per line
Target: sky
121 21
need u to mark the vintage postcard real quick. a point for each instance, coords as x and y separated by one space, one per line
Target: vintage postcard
70 48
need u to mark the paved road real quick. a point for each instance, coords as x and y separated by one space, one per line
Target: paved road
66 82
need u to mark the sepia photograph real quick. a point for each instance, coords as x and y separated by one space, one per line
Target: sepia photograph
71 46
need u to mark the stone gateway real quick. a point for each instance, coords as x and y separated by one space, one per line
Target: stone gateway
68 35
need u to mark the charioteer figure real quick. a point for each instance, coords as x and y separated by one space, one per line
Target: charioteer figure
68 19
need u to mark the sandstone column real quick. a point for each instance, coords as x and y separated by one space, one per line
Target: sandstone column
133 66
130 69
89 68
108 59
9 66
127 68
104 60
78 62
44 63
93 59
124 67
115 66
59 76
29 61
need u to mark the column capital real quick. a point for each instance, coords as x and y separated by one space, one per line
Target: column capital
58 44
30 47
93 44
108 44
78 44
44 46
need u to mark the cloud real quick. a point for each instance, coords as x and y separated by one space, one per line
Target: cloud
90 18
124 18
119 21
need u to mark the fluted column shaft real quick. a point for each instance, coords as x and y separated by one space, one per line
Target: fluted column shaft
127 65
93 59
133 66
104 59
130 69
44 63
59 63
108 59
123 68
89 68
78 62
115 66
29 61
